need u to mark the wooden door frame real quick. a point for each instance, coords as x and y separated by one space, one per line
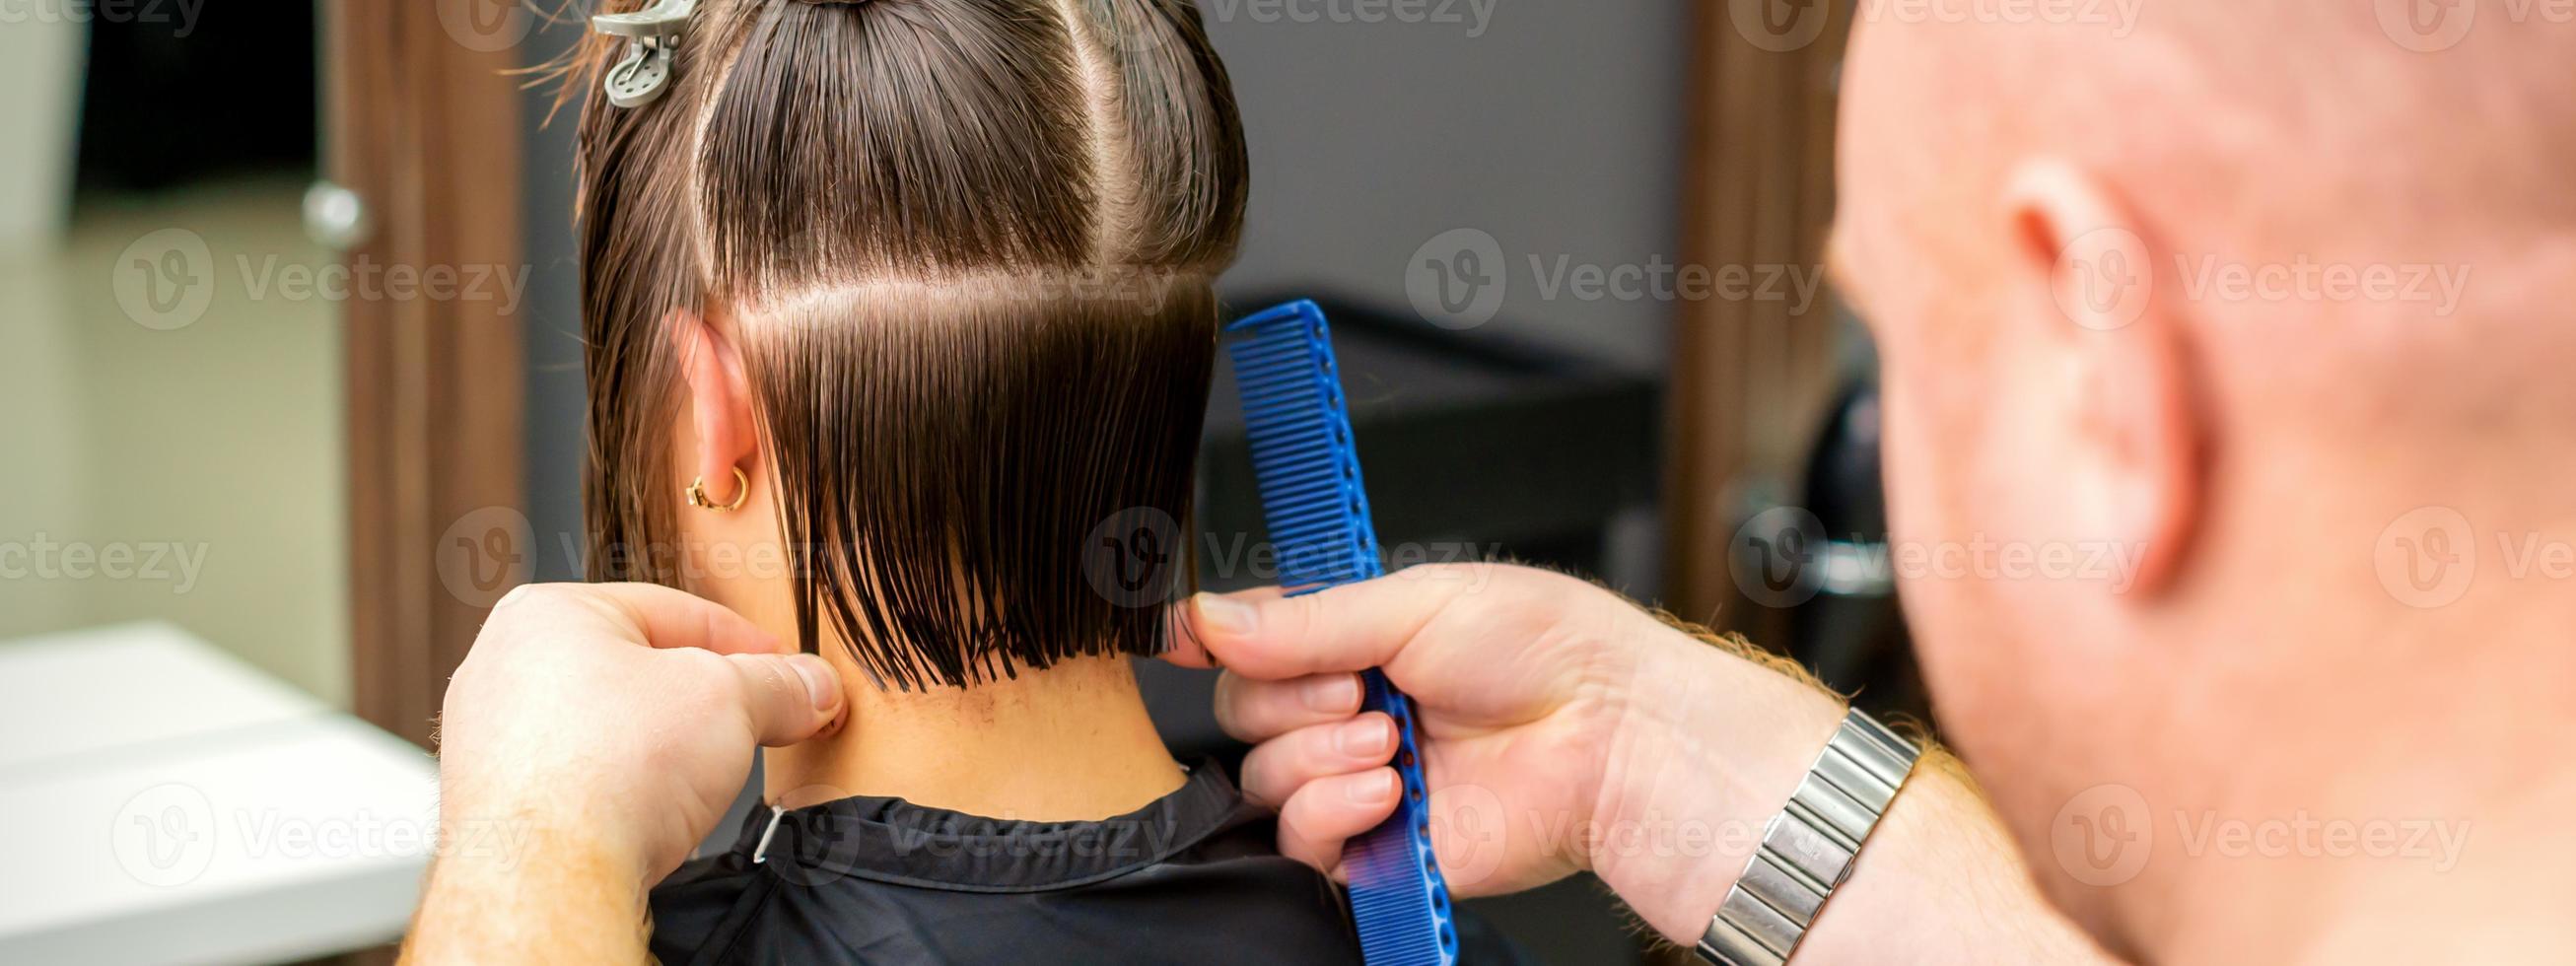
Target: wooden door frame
1751 379
422 121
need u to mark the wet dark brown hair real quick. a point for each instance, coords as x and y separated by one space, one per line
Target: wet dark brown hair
970 245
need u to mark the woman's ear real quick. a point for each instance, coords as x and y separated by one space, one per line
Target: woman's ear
720 404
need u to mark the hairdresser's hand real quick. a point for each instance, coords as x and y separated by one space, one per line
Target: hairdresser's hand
1563 730
592 737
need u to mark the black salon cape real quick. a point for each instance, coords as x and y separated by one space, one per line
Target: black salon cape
1193 878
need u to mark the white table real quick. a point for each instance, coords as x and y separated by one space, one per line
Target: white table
162 802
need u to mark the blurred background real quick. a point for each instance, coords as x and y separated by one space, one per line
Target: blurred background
291 363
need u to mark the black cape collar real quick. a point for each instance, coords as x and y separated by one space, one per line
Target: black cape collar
895 841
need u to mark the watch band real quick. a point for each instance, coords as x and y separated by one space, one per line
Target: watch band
1808 848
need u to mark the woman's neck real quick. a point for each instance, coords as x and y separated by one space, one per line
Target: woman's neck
1069 743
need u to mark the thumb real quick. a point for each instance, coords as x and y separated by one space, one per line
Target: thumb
1267 636
658 617
789 697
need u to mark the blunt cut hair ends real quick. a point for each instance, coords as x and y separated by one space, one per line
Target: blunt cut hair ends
968 248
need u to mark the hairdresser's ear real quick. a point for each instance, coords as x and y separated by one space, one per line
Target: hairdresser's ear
2111 343
719 405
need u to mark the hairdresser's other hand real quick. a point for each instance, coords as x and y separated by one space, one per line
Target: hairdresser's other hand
592 737
1563 730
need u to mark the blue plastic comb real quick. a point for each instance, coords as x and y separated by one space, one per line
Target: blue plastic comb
1318 514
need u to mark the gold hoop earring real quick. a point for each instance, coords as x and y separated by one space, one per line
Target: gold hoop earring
741 493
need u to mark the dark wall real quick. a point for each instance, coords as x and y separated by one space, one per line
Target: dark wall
175 94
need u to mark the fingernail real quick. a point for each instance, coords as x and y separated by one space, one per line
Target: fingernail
1367 738
821 685
1373 789
1338 693
1225 614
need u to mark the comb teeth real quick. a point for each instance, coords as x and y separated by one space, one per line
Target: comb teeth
1317 509
1300 431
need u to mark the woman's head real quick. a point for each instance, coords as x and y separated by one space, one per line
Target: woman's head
936 277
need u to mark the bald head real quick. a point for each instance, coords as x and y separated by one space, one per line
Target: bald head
2359 221
2235 288
2244 129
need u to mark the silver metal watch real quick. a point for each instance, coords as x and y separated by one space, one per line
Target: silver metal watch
1808 848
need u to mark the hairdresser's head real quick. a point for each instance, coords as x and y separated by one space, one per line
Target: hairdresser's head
934 278
2082 248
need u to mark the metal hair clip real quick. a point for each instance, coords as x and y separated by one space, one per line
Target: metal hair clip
652 36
